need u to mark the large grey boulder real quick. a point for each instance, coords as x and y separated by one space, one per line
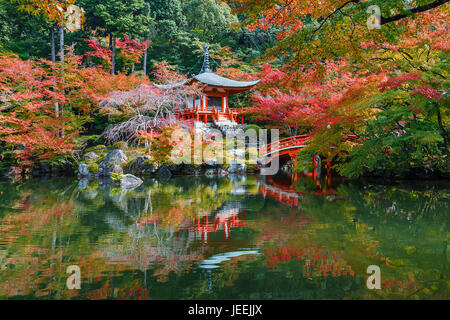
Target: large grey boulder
141 166
115 156
91 156
115 168
83 170
130 182
113 159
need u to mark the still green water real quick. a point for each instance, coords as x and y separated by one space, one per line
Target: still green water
224 238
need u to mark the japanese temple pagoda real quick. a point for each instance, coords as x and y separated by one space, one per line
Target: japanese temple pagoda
213 105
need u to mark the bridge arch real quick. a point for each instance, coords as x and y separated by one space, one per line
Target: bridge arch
287 147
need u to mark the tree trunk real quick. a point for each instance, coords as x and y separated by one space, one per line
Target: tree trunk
52 43
113 60
145 62
132 68
53 54
61 58
61 43
441 126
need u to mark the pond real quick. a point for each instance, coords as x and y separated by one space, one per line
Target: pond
230 237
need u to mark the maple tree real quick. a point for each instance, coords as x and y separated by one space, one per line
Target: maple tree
28 123
29 128
332 27
280 101
341 77
130 51
54 10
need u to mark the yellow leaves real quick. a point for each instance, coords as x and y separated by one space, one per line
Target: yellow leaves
54 10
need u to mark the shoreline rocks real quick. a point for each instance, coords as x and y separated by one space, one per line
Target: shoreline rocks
99 163
83 171
112 163
130 181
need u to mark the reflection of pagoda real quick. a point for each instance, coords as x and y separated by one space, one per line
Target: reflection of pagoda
224 220
213 105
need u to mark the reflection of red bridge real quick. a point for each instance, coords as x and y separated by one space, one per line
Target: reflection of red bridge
224 221
286 192
282 189
289 147
289 198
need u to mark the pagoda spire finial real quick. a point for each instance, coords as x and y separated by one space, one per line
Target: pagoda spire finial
205 67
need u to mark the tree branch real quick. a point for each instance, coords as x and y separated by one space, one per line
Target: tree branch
279 11
384 20
338 9
419 9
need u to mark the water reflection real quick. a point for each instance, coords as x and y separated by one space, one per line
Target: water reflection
224 238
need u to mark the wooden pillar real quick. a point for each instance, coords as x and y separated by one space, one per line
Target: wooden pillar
329 179
205 119
207 231
314 168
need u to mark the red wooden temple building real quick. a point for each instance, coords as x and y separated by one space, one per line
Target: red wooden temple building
213 105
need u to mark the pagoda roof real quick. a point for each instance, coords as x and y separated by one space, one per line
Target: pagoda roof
212 79
208 77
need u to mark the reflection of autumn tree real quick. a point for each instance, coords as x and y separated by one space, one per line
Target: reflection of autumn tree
398 228
149 242
36 237
412 224
155 215
286 239
340 235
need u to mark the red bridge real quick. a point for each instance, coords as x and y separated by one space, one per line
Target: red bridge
283 148
289 147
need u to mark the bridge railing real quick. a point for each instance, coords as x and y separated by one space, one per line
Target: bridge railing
283 143
294 141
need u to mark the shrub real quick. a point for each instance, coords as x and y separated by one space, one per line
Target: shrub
93 168
116 176
97 149
122 145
